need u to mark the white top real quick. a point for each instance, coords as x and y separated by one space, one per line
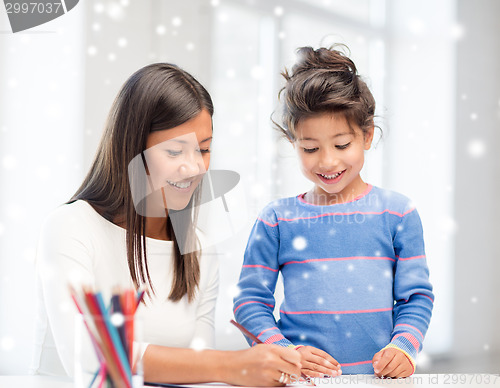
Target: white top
78 246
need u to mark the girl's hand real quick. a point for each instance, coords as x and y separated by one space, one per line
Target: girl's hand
317 363
263 365
392 363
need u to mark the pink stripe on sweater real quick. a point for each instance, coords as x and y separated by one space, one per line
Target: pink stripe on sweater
267 223
356 363
268 305
419 293
367 190
335 214
337 312
413 327
410 338
259 266
427 296
411 258
274 338
340 259
271 328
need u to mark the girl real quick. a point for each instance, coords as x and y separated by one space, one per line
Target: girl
351 255
119 229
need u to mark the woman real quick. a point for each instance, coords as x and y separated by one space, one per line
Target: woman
132 223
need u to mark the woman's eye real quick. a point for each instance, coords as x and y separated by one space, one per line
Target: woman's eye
310 150
204 151
343 146
173 153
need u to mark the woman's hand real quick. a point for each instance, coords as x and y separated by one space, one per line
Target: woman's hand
317 363
263 365
392 363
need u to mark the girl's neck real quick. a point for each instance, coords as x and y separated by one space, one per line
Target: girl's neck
318 196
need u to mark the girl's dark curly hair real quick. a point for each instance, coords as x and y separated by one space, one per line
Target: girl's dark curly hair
324 81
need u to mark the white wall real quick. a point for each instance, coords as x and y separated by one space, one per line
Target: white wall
420 137
477 177
41 132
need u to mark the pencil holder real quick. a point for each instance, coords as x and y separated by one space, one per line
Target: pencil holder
108 351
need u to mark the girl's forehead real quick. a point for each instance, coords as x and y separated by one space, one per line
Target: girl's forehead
324 125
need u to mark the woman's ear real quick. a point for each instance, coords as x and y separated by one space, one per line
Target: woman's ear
368 137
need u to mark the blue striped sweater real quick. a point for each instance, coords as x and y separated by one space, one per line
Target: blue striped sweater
355 277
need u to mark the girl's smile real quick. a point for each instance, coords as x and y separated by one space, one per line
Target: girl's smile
331 178
331 154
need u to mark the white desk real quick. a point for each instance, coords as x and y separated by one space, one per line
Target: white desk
418 381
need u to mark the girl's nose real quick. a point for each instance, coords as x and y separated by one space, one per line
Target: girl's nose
328 159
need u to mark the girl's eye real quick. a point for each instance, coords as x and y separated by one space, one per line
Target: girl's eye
310 150
343 146
173 153
204 151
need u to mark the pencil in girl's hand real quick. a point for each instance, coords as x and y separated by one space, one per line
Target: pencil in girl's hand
255 339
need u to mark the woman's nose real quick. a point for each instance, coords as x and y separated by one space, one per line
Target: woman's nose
192 165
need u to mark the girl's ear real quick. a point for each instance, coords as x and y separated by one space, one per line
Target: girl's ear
368 137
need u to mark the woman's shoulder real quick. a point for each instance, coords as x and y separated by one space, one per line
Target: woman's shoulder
73 219
78 213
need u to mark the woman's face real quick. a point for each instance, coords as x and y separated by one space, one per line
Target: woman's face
177 158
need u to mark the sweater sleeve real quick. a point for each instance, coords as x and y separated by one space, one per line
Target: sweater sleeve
253 307
412 289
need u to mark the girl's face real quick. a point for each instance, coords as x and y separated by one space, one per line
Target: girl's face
331 154
177 158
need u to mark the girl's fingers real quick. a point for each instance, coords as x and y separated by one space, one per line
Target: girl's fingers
381 362
289 355
318 370
325 355
321 361
390 366
377 357
397 372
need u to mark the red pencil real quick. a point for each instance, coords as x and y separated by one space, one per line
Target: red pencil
129 311
116 371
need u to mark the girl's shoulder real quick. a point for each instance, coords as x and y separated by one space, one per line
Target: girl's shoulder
282 207
390 200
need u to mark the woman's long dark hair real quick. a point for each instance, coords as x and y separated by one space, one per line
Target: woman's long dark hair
157 97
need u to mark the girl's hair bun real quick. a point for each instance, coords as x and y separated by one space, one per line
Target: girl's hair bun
324 80
323 58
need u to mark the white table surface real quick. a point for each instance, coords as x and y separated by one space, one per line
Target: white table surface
418 380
